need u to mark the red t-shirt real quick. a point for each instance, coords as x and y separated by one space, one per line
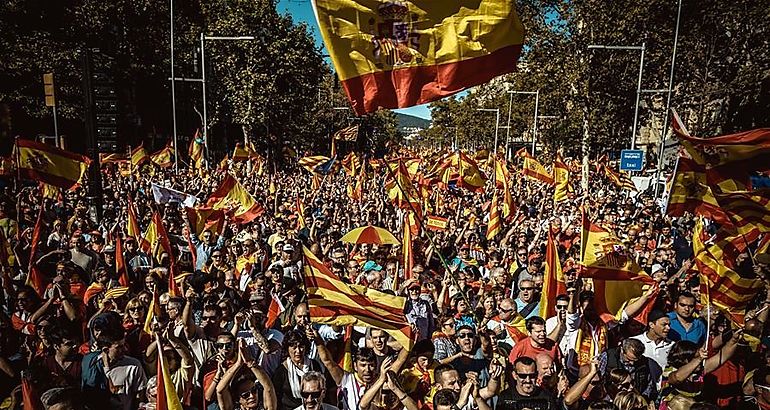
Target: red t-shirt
524 348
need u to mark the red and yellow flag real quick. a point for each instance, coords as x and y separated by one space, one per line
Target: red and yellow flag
436 223
495 224
334 302
553 279
165 157
35 278
533 169
351 164
404 53
120 263
167 397
202 218
139 156
747 211
561 180
195 150
234 199
469 175
400 188
45 163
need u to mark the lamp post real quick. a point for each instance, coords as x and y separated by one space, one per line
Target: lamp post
534 124
638 83
497 122
173 88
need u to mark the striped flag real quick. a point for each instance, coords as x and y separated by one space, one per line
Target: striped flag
502 178
317 164
165 157
139 156
406 245
274 311
400 54
45 163
470 177
334 302
133 229
352 163
619 179
721 285
495 224
35 278
300 209
202 218
533 169
561 180
195 150
167 397
553 279
690 192
400 189
436 223
747 210
347 134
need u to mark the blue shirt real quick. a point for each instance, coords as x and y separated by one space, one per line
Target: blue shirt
696 333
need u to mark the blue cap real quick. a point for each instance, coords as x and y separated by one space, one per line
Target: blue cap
372 265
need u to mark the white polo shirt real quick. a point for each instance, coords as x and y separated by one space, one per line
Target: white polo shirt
655 351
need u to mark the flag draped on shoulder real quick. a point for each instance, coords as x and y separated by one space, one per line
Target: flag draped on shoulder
404 53
533 169
42 162
233 198
617 277
334 302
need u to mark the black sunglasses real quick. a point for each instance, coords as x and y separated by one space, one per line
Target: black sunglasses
311 394
466 335
227 345
252 391
507 310
561 307
528 288
525 376
208 318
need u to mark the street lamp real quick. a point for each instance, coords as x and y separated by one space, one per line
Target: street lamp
534 125
638 83
497 122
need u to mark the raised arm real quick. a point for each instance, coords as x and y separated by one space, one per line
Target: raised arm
326 357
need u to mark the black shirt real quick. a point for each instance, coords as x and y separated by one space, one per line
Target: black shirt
510 399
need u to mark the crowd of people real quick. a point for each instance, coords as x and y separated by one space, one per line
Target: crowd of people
84 341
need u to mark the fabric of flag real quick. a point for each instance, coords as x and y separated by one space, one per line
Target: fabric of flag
139 156
406 245
30 396
346 361
317 164
502 178
120 263
240 153
723 286
300 210
8 165
553 279
234 199
45 163
405 53
617 278
470 176
619 179
533 169
49 191
163 158
436 223
7 258
223 164
167 398
165 245
347 134
690 192
356 192
152 311
111 158
561 181
195 150
747 210
133 229
164 195
400 189
334 302
495 224
35 278
352 164
275 310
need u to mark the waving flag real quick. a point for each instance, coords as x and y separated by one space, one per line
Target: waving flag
553 279
495 225
163 195
352 164
403 53
139 156
561 180
275 310
45 163
334 302
747 211
35 278
533 169
165 157
347 134
400 189
167 397
120 263
233 198
195 150
317 164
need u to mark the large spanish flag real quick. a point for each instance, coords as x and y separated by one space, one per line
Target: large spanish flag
231 196
533 169
46 163
561 179
395 54
334 302
553 279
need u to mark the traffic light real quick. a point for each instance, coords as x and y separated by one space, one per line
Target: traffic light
50 100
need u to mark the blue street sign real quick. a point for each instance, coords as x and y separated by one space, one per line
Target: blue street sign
631 160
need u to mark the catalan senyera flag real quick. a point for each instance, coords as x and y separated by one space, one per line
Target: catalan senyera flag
120 263
165 157
690 192
561 181
300 209
45 163
233 198
495 224
356 192
533 169
723 286
404 53
352 164
139 156
334 302
747 210
553 279
347 134
617 278
317 164
167 397
195 150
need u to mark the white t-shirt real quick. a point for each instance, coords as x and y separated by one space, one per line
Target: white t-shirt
351 391
128 378
655 351
324 406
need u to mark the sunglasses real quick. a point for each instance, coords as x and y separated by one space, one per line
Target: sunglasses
208 318
311 395
525 376
135 309
506 310
466 335
521 254
561 307
251 392
228 345
528 288
216 256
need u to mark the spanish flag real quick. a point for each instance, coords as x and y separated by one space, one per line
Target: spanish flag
45 163
35 278
436 223
164 158
502 178
533 169
167 398
195 150
233 198
139 156
334 302
553 279
120 263
240 153
617 277
690 192
470 177
399 187
406 245
494 225
132 227
403 53
159 242
561 180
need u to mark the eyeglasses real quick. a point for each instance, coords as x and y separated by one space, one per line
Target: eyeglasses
135 309
208 318
228 345
251 392
525 376
466 335
507 310
561 307
216 256
311 394
521 255
528 288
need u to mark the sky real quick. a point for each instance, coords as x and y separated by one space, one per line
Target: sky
302 11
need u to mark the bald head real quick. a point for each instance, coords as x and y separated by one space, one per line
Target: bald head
507 309
301 316
544 364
